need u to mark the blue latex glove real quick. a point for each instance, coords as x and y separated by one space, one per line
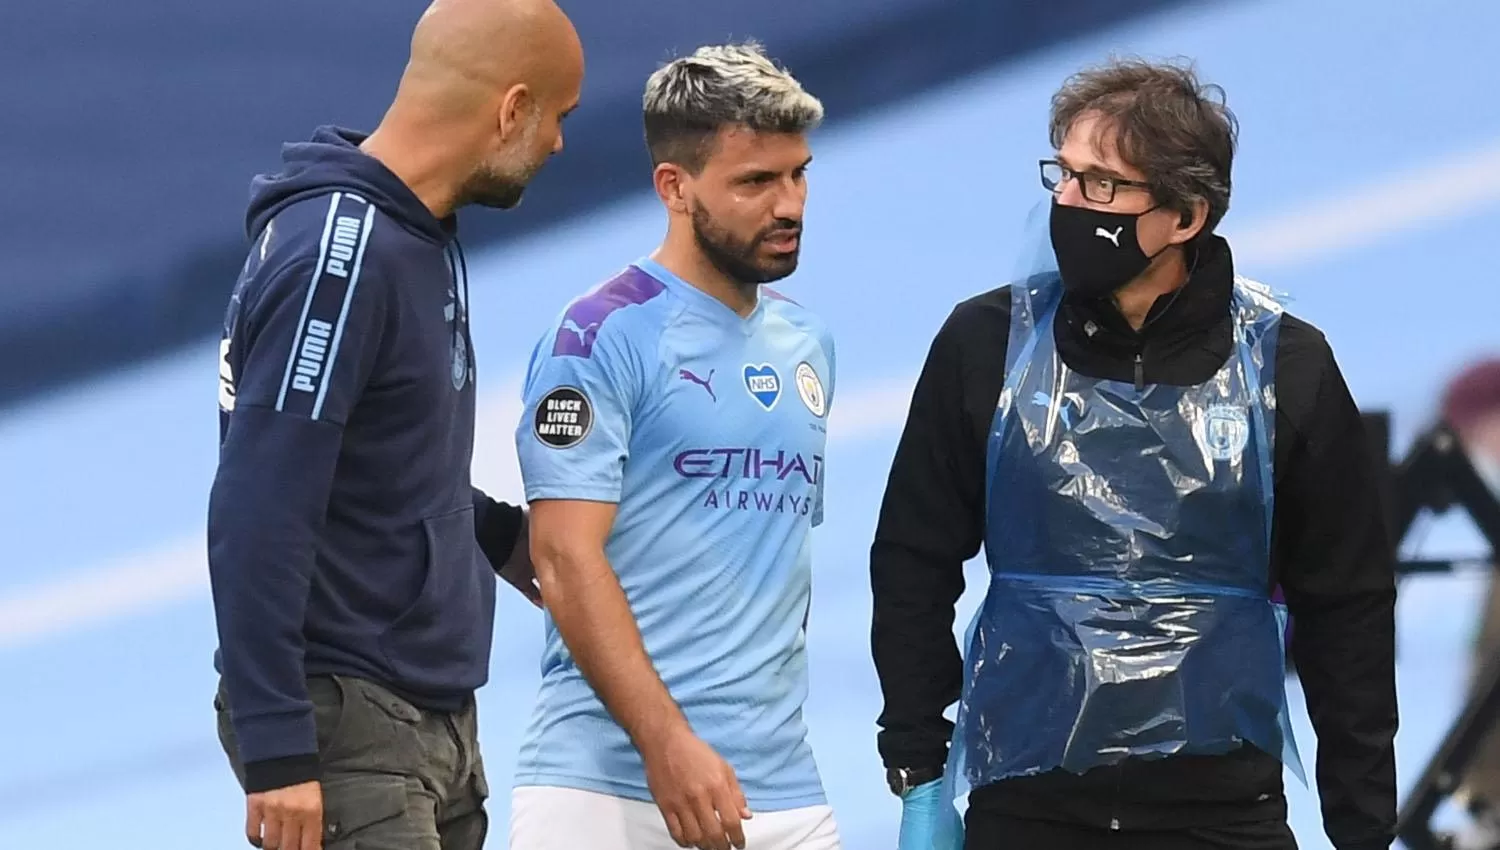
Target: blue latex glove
926 820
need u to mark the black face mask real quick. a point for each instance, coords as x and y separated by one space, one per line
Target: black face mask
1097 252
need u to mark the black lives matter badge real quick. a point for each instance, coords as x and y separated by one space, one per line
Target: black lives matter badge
563 418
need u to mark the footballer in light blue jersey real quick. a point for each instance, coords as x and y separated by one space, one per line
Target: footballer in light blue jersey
672 451
708 430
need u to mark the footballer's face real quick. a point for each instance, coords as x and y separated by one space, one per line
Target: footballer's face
747 202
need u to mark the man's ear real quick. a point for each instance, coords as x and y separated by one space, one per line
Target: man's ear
516 109
1190 223
670 180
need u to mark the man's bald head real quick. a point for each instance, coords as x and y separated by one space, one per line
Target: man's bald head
463 47
493 79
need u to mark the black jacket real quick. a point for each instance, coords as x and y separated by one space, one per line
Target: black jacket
1332 554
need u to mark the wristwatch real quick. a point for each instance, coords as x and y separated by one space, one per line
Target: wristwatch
903 779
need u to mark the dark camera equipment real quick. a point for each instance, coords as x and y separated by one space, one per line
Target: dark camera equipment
1436 476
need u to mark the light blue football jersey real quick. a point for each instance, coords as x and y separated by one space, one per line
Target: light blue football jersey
708 430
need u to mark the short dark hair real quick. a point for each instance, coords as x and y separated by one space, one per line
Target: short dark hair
687 101
1175 129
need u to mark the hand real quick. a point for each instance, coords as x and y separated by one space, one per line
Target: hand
696 791
926 823
519 571
289 818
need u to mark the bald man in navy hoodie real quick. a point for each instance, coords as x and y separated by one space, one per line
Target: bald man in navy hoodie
352 562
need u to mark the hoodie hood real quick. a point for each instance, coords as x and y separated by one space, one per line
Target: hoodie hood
331 161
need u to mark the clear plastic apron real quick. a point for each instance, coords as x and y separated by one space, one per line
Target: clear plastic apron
1128 540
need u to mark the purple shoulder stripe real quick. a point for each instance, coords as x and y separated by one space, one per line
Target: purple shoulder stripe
776 296
581 323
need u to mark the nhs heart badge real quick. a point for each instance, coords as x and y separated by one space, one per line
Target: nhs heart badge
763 384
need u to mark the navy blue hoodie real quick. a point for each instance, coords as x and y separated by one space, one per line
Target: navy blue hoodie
341 526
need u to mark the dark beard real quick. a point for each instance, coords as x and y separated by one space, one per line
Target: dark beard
735 258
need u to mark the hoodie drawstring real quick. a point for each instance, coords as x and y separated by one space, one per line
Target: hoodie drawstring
458 273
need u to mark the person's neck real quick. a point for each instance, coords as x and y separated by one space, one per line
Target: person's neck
425 168
1135 299
680 255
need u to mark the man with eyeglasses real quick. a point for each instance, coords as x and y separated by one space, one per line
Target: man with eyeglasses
1147 446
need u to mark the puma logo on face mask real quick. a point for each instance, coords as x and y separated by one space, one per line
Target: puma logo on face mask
1112 237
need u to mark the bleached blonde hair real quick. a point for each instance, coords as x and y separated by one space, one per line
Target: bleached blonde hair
690 99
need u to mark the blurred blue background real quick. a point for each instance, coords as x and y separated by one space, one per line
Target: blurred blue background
1367 186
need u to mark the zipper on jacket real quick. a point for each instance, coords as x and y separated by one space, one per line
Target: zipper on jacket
1140 370
1114 802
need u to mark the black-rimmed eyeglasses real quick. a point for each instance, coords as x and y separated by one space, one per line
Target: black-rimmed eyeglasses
1097 188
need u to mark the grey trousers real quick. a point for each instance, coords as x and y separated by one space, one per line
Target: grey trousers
394 777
